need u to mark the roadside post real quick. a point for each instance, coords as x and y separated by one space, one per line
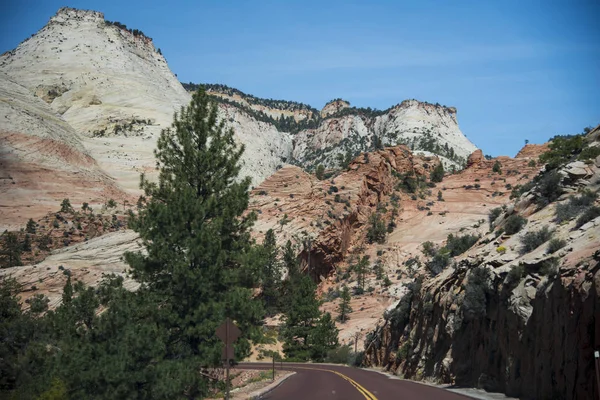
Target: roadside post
597 362
228 332
273 367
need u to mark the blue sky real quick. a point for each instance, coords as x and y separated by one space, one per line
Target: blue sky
515 70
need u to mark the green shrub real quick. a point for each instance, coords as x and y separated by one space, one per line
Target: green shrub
459 244
555 245
549 267
340 355
532 163
589 153
404 351
497 168
377 231
356 359
534 239
549 188
65 206
514 223
516 273
320 172
438 262
493 216
437 175
562 150
588 215
574 206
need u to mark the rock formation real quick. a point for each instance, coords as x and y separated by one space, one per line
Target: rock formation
504 319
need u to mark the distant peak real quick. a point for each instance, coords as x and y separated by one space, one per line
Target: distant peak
334 106
424 104
64 14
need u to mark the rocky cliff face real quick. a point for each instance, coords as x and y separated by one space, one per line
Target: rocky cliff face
425 128
523 322
106 93
331 213
42 160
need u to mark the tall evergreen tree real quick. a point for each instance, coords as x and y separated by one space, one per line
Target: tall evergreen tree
323 338
31 226
361 272
271 274
10 253
437 175
300 318
344 307
199 251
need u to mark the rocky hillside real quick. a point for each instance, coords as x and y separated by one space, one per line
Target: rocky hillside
517 312
43 160
346 131
102 93
339 132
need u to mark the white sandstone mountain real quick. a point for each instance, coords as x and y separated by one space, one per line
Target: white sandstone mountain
106 92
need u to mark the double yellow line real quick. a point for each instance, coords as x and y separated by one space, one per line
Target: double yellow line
368 395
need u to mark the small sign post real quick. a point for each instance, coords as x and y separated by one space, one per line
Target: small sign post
597 362
228 332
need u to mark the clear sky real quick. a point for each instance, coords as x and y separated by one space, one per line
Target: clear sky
515 70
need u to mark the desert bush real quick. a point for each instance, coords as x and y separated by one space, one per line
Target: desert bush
493 216
437 175
589 153
574 206
562 150
339 355
534 239
438 262
555 245
549 188
515 274
459 244
588 215
501 249
549 267
356 359
514 223
377 231
497 168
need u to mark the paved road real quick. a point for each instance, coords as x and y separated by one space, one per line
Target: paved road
324 381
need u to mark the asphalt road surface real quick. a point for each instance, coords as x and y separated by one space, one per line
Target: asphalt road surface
324 381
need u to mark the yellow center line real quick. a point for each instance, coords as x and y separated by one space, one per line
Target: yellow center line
368 395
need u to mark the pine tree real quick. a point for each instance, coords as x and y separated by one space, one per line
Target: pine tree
31 226
10 253
361 272
271 274
65 206
344 307
26 245
437 175
199 251
320 171
377 230
323 338
300 318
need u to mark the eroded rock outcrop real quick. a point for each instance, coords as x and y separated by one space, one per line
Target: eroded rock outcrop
331 213
521 322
